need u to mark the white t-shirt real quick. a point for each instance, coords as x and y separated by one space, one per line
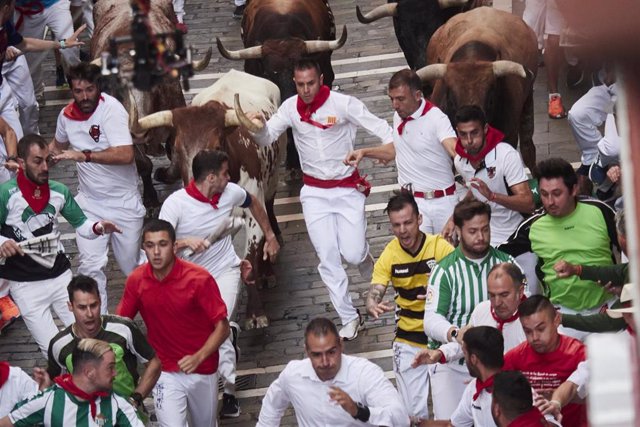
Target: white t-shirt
107 127
192 218
18 387
421 158
471 412
322 151
504 169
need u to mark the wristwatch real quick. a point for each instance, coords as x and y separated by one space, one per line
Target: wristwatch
136 400
363 413
87 155
454 334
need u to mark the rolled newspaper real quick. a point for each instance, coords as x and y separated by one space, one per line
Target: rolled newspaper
229 227
42 249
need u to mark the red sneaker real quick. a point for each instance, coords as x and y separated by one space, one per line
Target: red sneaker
9 312
556 109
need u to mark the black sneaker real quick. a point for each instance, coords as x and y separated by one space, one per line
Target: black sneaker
575 75
61 80
230 406
238 12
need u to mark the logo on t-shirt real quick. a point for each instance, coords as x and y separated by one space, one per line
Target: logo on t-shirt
94 132
491 172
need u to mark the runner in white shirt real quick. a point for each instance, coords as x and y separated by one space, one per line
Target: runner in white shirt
495 174
423 148
195 212
332 389
324 125
93 131
15 386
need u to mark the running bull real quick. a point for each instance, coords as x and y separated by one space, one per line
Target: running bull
210 123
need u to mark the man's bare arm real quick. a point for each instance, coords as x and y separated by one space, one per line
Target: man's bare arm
374 304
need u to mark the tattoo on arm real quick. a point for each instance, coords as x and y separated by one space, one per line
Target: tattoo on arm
376 292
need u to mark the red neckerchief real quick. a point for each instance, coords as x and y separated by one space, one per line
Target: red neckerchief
73 112
501 322
29 9
533 417
631 331
67 384
482 385
4 373
427 106
193 191
307 110
37 196
493 138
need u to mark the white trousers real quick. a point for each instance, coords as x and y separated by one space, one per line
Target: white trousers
586 116
9 109
436 212
229 284
337 225
93 254
36 300
412 383
16 73
448 381
543 17
178 395
178 8
58 18
87 14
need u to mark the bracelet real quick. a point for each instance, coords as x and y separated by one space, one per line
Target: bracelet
579 270
558 404
63 43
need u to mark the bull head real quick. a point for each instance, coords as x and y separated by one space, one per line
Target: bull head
311 46
391 9
500 69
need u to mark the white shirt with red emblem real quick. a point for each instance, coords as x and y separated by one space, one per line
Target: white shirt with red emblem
107 127
421 158
193 218
322 151
503 169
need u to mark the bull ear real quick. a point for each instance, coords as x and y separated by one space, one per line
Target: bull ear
508 68
432 72
389 9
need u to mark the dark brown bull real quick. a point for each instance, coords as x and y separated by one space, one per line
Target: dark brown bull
209 123
113 19
276 34
488 58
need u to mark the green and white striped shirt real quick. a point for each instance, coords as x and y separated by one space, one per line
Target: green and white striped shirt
455 287
54 407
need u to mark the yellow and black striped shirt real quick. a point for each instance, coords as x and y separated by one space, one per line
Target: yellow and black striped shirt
409 273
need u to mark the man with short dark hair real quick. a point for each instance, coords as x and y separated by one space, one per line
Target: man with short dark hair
547 358
186 323
512 404
324 125
35 264
331 388
568 229
130 345
198 210
93 131
406 263
456 286
423 148
80 399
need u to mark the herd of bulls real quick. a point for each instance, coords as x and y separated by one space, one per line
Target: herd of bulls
464 53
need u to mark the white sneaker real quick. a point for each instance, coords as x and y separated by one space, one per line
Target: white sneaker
350 330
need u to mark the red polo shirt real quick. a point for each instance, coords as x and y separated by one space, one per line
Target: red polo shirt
549 370
180 311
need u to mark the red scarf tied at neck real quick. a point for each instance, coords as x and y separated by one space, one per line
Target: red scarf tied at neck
67 384
37 196
501 322
72 111
493 138
4 373
307 110
427 106
482 385
193 191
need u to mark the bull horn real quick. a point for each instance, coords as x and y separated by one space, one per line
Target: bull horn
451 3
245 121
97 61
432 72
161 118
389 9
134 126
507 68
253 52
315 46
202 64
231 118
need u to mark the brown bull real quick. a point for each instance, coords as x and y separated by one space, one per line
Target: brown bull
276 34
488 58
113 19
209 123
